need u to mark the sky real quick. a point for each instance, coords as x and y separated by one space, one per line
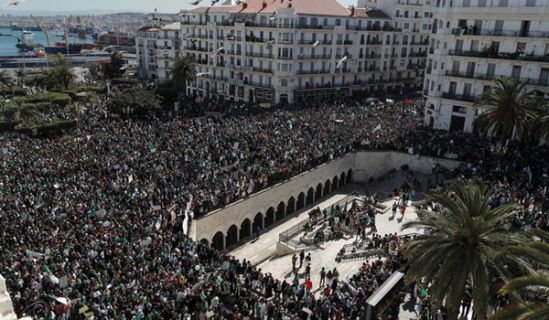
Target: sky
166 6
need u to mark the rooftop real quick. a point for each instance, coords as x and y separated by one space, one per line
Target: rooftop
302 7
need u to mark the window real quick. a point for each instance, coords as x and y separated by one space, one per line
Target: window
466 3
503 3
490 70
498 28
521 47
459 109
516 72
544 76
530 3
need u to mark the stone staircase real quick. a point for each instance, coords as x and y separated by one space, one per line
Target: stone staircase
6 308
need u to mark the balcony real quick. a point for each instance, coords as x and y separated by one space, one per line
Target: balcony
418 54
500 33
196 49
409 3
315 57
321 27
490 54
320 71
258 84
260 55
327 42
262 70
461 97
281 41
411 66
284 58
374 42
254 39
489 77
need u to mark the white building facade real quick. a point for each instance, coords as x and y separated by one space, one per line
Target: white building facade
290 51
475 42
145 42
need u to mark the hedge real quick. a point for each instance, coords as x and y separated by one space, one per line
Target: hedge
39 106
13 92
57 98
54 126
123 81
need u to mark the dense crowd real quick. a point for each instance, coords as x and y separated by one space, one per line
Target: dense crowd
93 219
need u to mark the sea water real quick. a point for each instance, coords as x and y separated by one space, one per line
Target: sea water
7 43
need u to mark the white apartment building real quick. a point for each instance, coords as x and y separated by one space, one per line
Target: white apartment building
475 42
292 50
145 42
168 43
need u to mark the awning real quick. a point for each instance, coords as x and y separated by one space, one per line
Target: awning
382 291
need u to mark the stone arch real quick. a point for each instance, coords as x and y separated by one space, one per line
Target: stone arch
300 201
280 210
327 187
245 229
218 241
270 217
290 208
318 194
349 175
310 196
335 183
342 180
258 222
205 242
232 236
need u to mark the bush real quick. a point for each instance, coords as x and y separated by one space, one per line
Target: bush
13 92
123 81
134 101
57 98
39 106
52 127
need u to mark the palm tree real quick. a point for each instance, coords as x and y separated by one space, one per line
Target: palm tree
530 286
540 125
5 79
21 75
508 109
10 113
60 75
184 69
468 241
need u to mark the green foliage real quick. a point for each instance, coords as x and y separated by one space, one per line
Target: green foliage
13 92
114 69
54 98
470 234
5 79
52 127
134 102
508 109
168 94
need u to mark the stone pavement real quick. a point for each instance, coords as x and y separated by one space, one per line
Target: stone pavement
263 248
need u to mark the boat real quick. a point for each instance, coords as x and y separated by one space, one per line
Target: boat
63 49
26 42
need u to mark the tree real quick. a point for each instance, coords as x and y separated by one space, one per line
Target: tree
540 126
60 75
134 101
21 75
468 241
508 109
94 69
5 79
115 68
533 286
184 69
28 115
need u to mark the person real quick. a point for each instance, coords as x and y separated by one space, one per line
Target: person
466 300
257 232
294 261
394 209
301 258
308 258
308 270
322 277
308 284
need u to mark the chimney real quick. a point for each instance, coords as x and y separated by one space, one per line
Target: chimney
289 5
264 5
244 5
352 11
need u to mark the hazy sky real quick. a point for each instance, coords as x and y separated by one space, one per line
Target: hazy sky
118 5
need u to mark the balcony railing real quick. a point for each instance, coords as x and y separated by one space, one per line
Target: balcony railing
461 97
489 77
500 33
260 55
501 55
319 71
264 70
328 42
410 3
316 56
417 54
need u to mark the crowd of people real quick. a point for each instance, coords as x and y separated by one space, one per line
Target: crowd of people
93 218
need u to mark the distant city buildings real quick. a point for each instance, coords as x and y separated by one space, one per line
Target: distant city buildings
475 42
289 51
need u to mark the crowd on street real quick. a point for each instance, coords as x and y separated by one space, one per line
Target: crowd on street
92 220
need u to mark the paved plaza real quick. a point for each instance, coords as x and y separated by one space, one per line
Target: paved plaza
261 251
